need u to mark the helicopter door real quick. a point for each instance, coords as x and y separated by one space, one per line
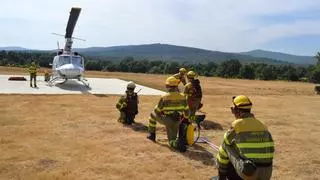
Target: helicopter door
55 62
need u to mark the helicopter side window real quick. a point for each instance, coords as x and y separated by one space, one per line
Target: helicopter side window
64 60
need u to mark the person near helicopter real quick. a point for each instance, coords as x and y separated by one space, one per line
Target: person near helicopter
33 74
128 105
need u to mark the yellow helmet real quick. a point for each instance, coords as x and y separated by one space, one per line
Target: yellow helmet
172 81
242 102
191 74
182 70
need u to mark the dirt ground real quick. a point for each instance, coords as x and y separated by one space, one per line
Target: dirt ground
78 137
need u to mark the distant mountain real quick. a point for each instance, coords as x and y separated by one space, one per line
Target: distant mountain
281 56
13 48
168 52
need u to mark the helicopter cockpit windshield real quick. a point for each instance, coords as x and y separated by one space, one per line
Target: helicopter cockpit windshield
77 60
64 60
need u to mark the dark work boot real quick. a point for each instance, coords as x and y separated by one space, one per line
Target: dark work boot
182 146
152 136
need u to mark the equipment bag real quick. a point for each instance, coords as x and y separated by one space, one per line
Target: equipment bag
190 134
186 132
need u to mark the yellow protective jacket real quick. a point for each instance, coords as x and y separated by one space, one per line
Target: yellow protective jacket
128 104
181 78
169 104
251 139
33 69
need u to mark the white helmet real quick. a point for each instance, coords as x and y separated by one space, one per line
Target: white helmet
131 85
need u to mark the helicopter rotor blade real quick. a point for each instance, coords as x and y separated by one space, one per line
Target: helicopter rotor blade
78 39
57 34
72 37
74 15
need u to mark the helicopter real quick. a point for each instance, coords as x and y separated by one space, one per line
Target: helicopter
67 64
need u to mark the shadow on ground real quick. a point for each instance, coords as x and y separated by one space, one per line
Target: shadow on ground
208 125
100 95
139 127
73 85
194 152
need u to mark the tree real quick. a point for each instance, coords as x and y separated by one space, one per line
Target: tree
292 74
126 64
247 72
155 70
318 58
315 75
229 68
268 73
171 68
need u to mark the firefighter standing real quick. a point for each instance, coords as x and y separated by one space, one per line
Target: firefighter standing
247 149
128 105
181 76
193 92
33 74
173 112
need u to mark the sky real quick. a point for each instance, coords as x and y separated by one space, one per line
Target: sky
289 26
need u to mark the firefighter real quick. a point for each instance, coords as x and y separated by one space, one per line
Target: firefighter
247 149
193 92
33 74
181 76
46 76
173 112
128 105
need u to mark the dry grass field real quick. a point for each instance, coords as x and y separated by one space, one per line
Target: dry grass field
78 136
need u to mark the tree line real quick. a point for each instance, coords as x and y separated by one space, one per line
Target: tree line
232 68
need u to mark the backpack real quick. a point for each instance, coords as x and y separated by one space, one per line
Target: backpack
197 88
132 107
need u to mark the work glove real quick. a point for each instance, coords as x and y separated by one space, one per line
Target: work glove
152 136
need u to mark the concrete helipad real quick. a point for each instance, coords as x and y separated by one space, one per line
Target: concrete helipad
97 86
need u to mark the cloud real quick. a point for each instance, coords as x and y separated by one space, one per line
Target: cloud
224 25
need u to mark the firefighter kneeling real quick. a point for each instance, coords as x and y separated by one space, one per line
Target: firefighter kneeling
247 149
173 112
128 105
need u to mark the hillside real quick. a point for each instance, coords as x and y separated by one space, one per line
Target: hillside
166 52
170 53
12 48
281 56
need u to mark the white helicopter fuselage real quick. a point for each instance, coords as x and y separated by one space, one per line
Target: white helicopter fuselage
67 66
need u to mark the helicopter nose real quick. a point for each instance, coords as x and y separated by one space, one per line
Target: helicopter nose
70 70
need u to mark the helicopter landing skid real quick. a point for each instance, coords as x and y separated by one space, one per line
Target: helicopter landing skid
85 83
51 82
